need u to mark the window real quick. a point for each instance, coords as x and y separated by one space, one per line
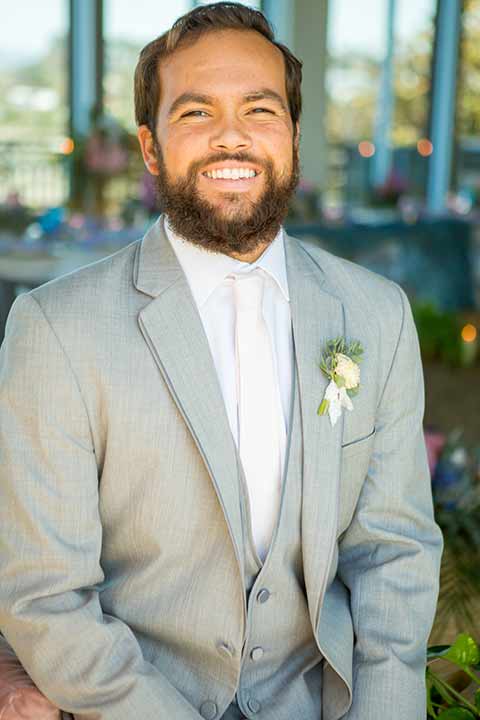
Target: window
128 27
468 109
33 101
357 48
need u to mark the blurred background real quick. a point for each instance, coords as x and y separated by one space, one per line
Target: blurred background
390 179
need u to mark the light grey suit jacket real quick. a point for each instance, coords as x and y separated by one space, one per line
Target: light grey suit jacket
121 558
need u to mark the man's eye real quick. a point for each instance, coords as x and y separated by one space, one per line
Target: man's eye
195 113
262 110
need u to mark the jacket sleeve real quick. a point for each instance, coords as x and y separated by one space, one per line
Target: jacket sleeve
83 660
389 557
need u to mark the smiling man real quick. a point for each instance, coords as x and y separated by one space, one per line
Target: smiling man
221 135
185 533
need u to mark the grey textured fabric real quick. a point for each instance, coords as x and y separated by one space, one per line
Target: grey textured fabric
123 556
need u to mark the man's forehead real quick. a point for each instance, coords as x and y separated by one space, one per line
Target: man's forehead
225 54
227 65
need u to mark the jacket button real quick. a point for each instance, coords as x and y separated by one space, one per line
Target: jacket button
263 595
253 705
208 710
257 653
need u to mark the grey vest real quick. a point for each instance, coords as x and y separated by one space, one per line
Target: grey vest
281 666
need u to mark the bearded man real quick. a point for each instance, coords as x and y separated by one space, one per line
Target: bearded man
208 509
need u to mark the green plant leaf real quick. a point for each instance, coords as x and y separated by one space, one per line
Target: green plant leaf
456 713
443 689
464 651
477 699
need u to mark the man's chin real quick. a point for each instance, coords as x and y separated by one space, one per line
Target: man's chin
231 209
230 201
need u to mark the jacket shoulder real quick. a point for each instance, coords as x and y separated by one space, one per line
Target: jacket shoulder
361 290
101 281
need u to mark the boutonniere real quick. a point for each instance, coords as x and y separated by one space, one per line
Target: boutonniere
340 363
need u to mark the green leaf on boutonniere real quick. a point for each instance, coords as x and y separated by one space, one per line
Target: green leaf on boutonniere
355 350
339 381
323 407
353 391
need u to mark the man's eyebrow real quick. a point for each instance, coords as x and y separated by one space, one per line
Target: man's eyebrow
189 97
266 94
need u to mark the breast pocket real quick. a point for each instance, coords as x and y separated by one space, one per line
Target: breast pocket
354 469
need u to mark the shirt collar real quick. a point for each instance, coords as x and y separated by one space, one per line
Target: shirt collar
205 270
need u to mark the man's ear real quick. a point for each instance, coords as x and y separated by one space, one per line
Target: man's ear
148 149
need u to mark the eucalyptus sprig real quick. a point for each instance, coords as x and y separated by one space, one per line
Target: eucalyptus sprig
328 364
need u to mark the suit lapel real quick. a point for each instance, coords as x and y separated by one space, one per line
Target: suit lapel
173 330
317 316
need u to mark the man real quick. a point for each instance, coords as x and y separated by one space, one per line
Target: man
183 534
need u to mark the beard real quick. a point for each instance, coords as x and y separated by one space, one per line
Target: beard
241 228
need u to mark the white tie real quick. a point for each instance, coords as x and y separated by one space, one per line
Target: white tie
261 424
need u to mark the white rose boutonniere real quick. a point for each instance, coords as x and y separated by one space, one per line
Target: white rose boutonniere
340 363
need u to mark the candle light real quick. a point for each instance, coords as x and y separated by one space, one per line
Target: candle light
469 344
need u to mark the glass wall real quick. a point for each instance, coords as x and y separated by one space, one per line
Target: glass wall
33 101
357 53
467 169
127 28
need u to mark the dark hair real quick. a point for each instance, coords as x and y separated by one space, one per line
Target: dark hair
200 20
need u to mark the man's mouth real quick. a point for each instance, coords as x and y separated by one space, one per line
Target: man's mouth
231 177
233 173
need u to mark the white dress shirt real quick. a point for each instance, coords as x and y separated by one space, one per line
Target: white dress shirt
206 273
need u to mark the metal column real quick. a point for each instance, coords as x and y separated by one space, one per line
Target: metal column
382 160
443 103
86 64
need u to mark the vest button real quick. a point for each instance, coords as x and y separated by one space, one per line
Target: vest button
257 653
208 710
263 595
253 705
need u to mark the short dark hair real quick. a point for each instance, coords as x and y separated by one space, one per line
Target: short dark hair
200 20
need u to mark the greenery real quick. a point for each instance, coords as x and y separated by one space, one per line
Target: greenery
444 696
456 495
469 99
439 334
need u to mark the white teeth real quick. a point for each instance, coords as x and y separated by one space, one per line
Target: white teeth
231 173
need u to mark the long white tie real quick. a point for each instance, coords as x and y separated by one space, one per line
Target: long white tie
262 434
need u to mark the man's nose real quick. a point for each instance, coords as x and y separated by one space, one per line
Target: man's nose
230 135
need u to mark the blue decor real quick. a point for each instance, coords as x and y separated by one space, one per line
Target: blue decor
430 259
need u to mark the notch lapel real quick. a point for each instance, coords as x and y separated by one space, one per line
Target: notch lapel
317 316
173 331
